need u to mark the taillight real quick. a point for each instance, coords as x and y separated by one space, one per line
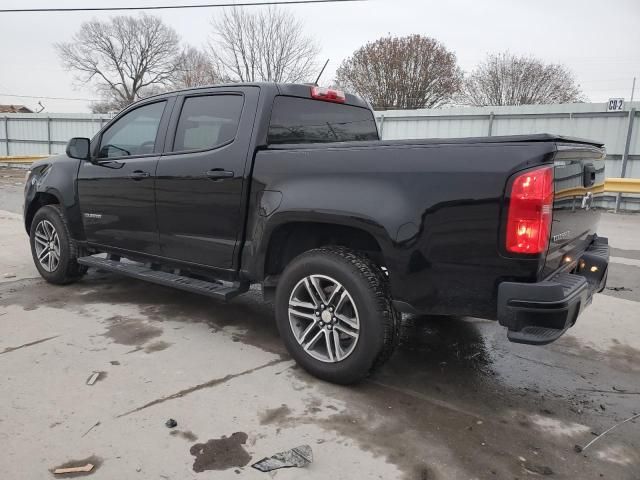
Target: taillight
328 94
530 210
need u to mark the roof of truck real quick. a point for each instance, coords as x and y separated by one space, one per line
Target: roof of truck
302 90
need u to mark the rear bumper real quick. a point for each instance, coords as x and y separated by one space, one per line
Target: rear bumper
539 313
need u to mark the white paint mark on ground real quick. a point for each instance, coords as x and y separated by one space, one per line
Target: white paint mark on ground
557 427
626 261
618 454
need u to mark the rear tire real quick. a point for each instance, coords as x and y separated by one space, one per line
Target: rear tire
334 314
54 252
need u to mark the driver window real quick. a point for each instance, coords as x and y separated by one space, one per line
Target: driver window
133 134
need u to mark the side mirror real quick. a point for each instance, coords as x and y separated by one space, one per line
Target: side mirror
78 147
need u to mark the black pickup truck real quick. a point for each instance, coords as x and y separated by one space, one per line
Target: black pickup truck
214 189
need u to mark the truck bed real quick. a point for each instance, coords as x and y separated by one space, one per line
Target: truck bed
436 206
538 137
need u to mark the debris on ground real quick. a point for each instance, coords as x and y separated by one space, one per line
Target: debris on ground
171 423
620 289
80 469
537 469
187 435
614 390
9 275
296 457
92 427
93 378
579 448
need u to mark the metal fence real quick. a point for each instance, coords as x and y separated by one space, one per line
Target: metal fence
619 131
41 134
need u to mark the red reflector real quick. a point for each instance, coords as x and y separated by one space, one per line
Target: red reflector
328 94
530 210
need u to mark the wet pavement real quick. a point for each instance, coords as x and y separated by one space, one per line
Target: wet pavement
11 188
456 401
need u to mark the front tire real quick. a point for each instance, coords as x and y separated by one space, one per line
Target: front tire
334 314
54 252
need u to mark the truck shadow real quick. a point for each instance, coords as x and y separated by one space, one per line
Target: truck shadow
442 356
441 341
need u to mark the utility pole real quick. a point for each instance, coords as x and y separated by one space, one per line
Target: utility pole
625 155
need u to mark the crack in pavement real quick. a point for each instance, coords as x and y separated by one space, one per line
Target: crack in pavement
427 398
210 383
13 349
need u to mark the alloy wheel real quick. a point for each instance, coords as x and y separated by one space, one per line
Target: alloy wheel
324 318
47 245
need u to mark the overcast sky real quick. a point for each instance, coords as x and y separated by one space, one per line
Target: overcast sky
599 40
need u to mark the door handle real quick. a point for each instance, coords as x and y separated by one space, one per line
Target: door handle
219 174
139 175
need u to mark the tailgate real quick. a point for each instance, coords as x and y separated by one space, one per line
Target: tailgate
579 185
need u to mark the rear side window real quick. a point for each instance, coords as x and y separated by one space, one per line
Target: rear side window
301 120
207 122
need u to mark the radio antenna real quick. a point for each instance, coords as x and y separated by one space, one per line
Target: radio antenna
321 72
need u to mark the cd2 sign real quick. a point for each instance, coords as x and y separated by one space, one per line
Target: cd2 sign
615 104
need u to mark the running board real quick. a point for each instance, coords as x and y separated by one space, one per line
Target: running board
213 289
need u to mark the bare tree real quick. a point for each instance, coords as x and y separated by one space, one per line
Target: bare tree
268 45
405 72
122 57
195 69
505 79
106 106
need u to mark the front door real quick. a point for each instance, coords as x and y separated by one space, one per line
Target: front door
116 190
200 176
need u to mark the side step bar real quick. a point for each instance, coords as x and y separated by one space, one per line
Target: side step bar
213 289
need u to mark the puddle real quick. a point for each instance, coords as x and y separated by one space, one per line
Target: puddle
221 454
157 346
130 332
275 415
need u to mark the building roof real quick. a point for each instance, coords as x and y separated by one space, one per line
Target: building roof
14 109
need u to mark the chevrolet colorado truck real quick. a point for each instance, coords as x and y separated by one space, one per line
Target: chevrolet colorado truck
214 189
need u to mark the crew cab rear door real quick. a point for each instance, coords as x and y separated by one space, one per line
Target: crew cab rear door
201 175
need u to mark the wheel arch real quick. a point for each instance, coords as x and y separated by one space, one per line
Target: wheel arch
287 239
40 200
